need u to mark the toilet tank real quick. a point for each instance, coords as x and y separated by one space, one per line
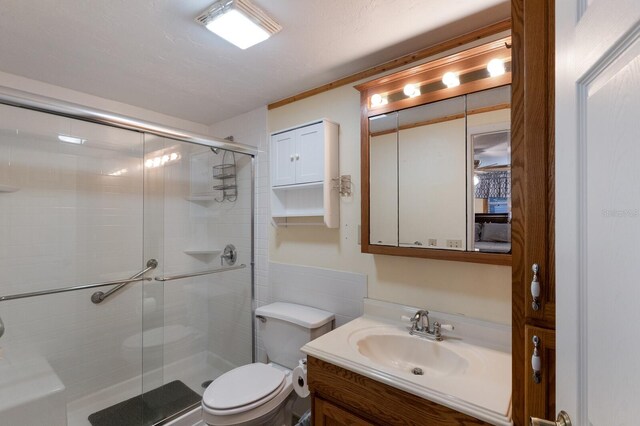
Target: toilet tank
286 327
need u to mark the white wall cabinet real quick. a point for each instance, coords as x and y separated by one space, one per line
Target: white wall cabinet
298 155
304 160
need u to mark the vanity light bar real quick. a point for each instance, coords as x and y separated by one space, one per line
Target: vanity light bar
496 67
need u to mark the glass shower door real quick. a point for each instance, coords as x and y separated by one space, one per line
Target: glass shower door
197 313
71 214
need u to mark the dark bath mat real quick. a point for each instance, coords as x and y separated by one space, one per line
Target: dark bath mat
148 408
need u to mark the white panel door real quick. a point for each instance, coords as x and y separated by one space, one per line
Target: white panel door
598 210
309 153
283 160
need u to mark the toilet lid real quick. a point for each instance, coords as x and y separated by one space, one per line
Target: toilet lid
244 385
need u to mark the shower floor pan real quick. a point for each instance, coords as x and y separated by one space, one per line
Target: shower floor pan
192 371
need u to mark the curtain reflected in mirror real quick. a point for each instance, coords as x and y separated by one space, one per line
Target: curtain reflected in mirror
490 145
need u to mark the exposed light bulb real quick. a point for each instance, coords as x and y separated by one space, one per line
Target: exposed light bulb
376 100
496 67
411 90
450 79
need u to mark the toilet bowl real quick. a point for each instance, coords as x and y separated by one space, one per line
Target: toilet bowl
254 394
261 394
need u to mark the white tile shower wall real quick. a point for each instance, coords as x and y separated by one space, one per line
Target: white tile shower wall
215 310
251 129
335 291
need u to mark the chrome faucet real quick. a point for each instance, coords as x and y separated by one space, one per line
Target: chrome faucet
420 326
420 321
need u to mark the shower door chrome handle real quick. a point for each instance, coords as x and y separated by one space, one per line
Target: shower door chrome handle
99 296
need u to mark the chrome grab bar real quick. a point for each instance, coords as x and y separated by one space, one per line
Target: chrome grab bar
65 289
197 274
99 296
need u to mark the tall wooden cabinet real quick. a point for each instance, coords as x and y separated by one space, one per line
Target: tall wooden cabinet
532 144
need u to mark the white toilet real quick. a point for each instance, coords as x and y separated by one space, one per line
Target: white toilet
262 394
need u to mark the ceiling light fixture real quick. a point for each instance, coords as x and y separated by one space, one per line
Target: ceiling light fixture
71 139
239 22
496 67
450 79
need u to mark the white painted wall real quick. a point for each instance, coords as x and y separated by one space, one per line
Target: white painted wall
56 92
481 291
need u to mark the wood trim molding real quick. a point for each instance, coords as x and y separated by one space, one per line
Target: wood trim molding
421 54
452 255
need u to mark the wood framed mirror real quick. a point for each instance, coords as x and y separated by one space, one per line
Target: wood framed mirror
435 158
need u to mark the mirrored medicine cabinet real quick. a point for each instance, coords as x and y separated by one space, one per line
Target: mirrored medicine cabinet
436 158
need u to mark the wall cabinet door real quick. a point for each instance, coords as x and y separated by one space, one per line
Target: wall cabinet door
309 154
298 156
283 164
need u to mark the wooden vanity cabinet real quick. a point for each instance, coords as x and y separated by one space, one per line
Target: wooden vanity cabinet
341 397
533 206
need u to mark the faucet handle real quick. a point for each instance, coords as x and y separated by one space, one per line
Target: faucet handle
407 318
437 327
413 320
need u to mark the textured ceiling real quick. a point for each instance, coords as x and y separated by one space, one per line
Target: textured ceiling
151 54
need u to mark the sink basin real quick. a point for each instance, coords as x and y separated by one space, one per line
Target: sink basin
457 372
410 354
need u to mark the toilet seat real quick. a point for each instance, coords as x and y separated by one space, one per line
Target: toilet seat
243 389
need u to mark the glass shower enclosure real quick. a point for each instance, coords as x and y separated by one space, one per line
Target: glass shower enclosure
127 278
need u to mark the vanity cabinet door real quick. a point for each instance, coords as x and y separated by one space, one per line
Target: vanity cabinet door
540 394
328 414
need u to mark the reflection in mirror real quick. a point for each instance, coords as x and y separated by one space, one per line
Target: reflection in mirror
432 175
383 179
489 137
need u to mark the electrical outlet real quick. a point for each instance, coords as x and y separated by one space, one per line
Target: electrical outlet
454 243
433 242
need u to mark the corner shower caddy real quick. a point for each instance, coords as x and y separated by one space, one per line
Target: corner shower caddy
226 174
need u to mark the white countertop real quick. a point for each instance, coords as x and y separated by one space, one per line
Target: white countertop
480 386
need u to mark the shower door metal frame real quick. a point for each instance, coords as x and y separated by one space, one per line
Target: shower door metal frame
22 99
